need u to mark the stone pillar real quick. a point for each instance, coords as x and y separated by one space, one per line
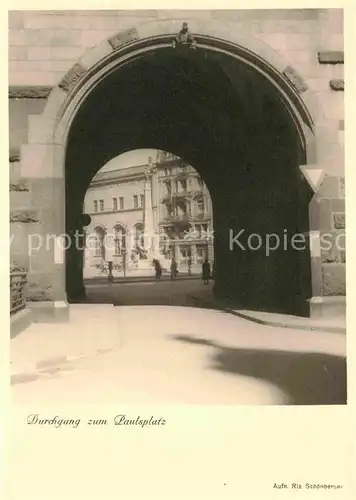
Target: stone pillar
193 253
210 243
87 253
129 243
148 220
46 245
155 200
176 253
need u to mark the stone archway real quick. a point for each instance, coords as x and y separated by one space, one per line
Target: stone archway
286 96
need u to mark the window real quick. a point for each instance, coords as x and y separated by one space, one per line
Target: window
95 206
135 201
189 208
119 241
117 246
200 255
142 200
101 204
114 203
99 248
121 202
200 182
167 188
200 206
168 209
183 185
139 236
183 252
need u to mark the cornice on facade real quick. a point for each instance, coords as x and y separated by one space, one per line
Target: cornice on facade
137 173
29 92
109 212
118 175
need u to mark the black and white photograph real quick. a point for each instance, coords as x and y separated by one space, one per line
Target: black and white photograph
177 211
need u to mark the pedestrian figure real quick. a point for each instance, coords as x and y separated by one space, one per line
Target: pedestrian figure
174 269
110 274
158 269
206 271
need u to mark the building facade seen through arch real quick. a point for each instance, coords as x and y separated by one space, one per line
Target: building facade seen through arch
181 214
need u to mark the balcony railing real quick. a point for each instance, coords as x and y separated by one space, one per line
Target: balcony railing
177 218
18 282
186 217
184 193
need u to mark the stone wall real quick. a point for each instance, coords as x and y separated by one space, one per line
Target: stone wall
331 199
43 46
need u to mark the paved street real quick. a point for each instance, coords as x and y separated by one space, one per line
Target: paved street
165 292
174 354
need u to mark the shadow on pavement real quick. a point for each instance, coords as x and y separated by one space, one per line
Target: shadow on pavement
308 378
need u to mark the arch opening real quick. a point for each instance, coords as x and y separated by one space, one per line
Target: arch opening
233 125
146 205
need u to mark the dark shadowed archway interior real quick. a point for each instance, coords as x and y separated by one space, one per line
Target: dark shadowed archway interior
231 123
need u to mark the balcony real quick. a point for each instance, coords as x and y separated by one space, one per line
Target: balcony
186 218
177 218
184 173
201 216
167 197
185 193
182 194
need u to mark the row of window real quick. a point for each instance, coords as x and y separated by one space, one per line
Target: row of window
119 204
184 251
178 169
101 205
181 185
